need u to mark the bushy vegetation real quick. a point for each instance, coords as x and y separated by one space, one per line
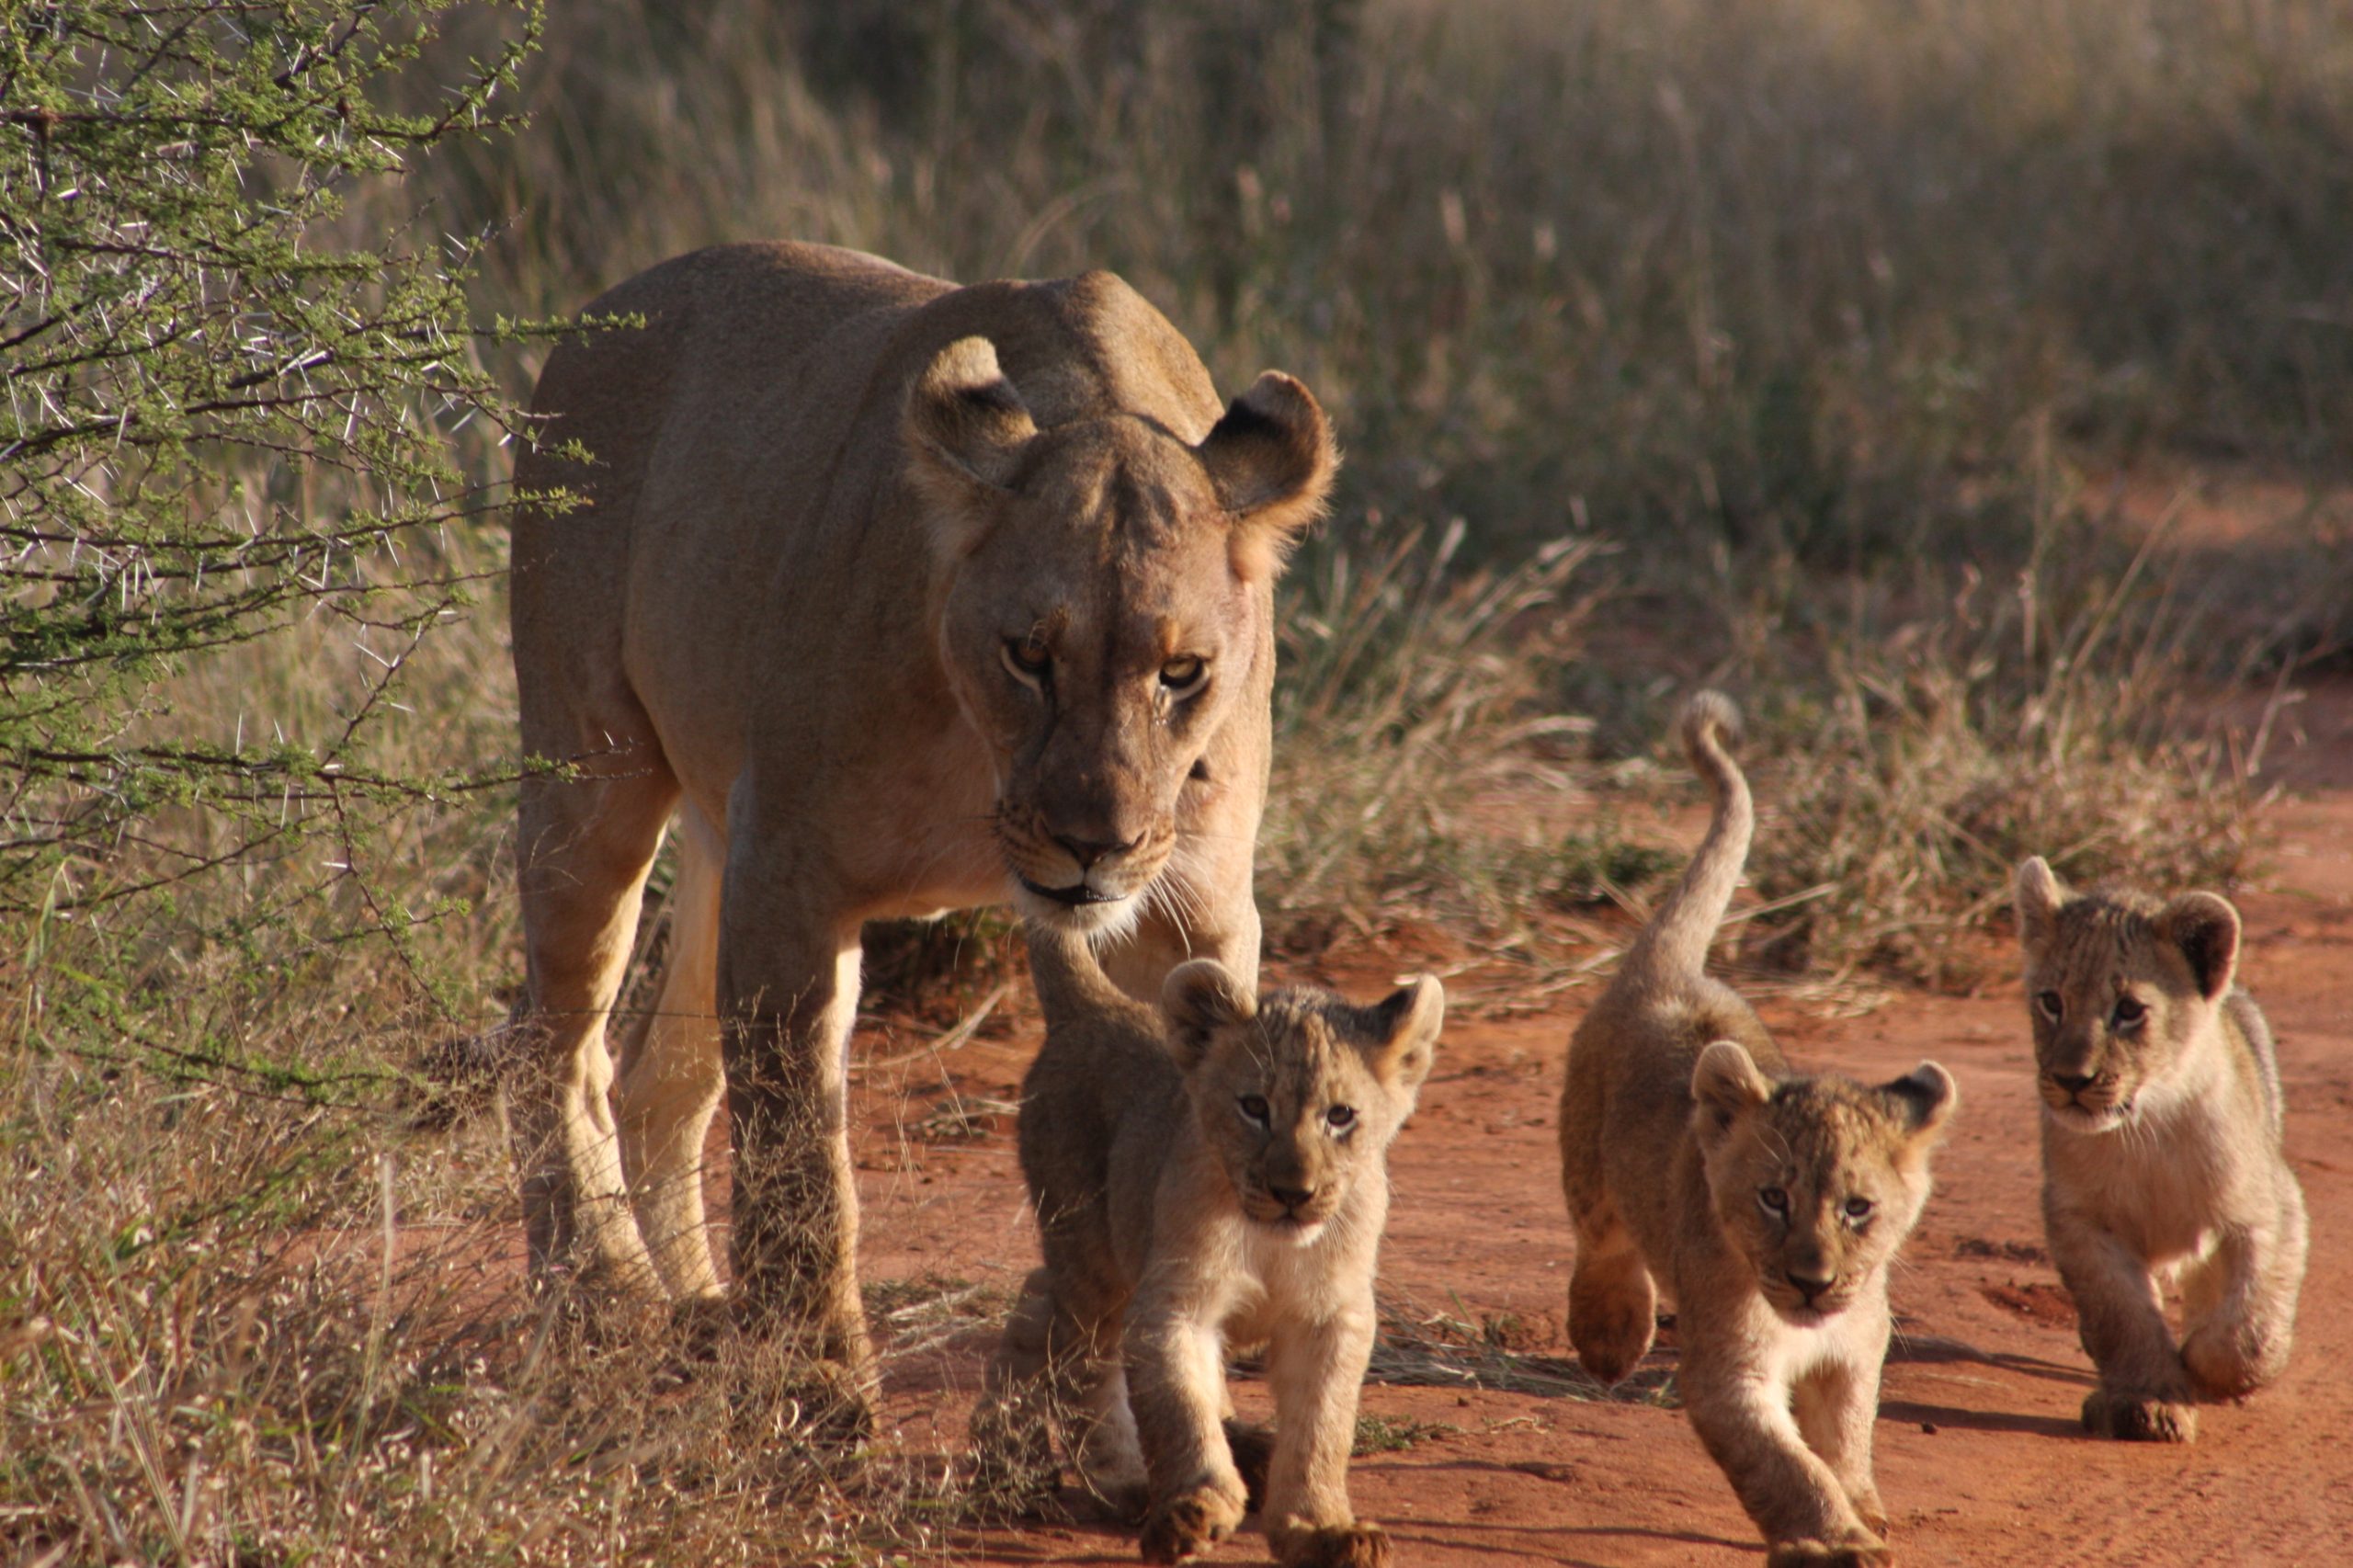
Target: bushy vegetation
1792 347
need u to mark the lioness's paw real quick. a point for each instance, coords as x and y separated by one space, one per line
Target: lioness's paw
1338 1546
2137 1418
1182 1527
1821 1554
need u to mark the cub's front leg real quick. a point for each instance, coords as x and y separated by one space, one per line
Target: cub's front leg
2144 1393
1176 1388
1316 1370
2242 1303
1744 1420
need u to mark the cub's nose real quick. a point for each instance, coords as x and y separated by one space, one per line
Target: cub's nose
1810 1285
1087 851
1290 1196
2074 1083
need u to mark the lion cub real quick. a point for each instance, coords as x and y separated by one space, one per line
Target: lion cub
1766 1205
1216 1175
2160 1149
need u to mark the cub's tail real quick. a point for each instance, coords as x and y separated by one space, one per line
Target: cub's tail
1674 946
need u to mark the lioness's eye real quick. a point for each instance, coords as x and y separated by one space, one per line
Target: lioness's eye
1026 659
1183 676
2052 1003
1775 1199
1254 1109
1858 1209
2127 1013
1340 1118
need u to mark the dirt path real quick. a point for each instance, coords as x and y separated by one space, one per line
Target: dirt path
1980 1457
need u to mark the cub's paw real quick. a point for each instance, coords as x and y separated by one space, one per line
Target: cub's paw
1611 1336
1254 1450
1858 1553
2138 1418
1336 1546
1187 1525
2227 1364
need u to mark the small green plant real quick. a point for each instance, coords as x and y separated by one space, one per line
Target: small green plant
1395 1434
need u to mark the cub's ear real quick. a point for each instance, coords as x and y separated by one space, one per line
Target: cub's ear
2206 928
1725 1083
1271 460
1927 1096
2038 895
966 430
1201 998
1407 1025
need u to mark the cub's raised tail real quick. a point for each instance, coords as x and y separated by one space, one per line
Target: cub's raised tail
1674 946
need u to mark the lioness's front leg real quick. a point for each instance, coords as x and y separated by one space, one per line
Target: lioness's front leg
2144 1393
788 990
1316 1370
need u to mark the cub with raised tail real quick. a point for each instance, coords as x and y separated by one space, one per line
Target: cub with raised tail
1216 1175
2160 1150
1765 1205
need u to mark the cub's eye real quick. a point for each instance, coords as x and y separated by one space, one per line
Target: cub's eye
1026 659
2129 1014
2051 1004
1776 1201
1340 1118
1183 676
1859 1209
1254 1109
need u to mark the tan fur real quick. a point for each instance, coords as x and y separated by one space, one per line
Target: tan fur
1192 1190
2160 1150
1680 1125
910 597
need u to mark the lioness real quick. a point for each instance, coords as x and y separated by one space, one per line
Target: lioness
908 597
1766 1205
2160 1149
1215 1175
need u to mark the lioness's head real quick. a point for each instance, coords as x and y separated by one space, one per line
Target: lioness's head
2119 987
1101 603
1297 1092
1815 1181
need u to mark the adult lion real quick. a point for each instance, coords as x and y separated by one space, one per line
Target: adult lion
906 597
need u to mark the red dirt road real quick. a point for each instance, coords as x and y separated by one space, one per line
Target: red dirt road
1980 1456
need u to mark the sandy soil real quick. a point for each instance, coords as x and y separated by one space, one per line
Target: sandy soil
1980 1456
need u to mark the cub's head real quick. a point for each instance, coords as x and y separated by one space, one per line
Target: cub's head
2120 988
1100 595
1815 1181
1297 1093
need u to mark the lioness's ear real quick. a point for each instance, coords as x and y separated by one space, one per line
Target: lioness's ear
1271 460
2038 895
1201 998
966 431
2206 928
1927 1096
1407 1025
1725 1082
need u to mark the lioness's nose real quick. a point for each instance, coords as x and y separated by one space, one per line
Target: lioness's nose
1290 1196
1810 1285
1087 851
2074 1083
